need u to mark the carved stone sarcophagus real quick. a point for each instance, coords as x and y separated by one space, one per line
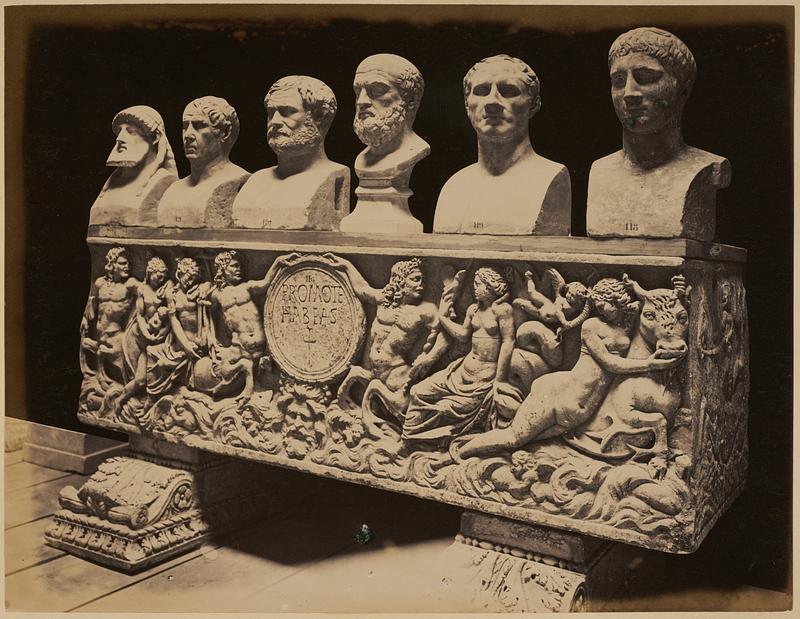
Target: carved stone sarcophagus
595 386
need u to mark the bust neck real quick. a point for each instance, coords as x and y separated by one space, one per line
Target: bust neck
291 163
651 150
203 170
498 157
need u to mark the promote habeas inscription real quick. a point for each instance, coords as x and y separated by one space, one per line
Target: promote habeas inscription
313 322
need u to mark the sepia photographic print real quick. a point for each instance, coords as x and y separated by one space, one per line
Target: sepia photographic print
410 308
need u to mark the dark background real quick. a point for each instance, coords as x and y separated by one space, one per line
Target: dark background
69 70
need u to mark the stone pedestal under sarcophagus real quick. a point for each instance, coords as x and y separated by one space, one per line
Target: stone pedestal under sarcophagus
597 387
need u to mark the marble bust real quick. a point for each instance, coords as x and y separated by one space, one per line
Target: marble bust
306 190
388 91
656 186
511 189
204 199
144 169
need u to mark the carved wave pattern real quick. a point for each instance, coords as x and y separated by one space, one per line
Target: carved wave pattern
549 477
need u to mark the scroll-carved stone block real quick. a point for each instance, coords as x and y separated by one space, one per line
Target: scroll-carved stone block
163 500
583 385
656 186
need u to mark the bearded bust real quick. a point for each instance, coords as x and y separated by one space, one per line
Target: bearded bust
306 190
388 90
145 168
656 185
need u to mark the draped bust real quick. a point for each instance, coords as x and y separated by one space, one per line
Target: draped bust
145 168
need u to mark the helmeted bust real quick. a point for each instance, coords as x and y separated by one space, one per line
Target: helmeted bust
511 189
656 186
204 199
145 168
306 190
388 91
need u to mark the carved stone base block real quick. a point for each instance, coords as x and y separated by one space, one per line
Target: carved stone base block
508 566
122 548
162 501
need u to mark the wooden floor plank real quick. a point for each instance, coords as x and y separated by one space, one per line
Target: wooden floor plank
27 504
67 582
401 579
25 547
267 553
302 559
12 457
400 570
24 474
276 550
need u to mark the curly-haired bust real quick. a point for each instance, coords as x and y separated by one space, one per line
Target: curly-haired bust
306 190
656 185
511 189
205 197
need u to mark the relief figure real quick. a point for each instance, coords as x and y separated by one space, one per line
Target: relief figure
110 306
728 341
150 326
460 398
540 350
231 299
403 322
635 415
172 361
562 401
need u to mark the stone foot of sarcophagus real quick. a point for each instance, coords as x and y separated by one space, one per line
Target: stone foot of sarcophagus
508 566
161 501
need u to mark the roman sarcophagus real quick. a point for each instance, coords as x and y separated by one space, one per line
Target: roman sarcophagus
596 386
558 388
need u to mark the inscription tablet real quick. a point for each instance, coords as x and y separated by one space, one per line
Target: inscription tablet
313 321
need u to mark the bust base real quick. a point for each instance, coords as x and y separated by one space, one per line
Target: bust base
382 216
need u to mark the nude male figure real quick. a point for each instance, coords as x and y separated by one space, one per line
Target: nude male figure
402 323
235 300
110 303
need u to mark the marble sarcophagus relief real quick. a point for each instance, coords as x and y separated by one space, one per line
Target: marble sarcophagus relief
596 386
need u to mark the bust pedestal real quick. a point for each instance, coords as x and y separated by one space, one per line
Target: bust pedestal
531 197
316 199
673 200
383 192
207 204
